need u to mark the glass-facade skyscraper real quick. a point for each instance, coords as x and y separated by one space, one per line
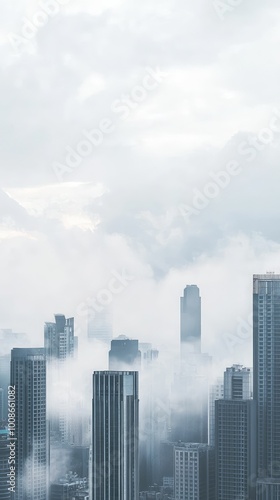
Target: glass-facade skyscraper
266 343
115 436
28 376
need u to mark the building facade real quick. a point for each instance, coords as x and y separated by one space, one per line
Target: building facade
266 339
115 436
59 338
216 391
194 472
235 437
28 376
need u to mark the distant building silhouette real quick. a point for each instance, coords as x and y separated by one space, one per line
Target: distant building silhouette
61 346
59 338
148 354
190 320
115 435
124 354
189 399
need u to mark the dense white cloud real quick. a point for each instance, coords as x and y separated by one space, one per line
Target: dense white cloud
122 205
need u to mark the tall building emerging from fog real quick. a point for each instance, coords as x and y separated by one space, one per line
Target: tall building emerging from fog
59 338
189 405
190 323
28 375
124 354
61 346
266 341
236 437
115 435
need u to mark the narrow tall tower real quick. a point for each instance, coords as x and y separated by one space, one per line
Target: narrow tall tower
190 320
189 406
266 338
115 430
28 376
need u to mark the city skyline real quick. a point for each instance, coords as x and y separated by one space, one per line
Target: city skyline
237 421
140 250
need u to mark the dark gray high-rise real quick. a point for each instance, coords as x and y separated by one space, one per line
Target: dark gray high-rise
115 436
266 338
124 354
235 436
190 320
28 376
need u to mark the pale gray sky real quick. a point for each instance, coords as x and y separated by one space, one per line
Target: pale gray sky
202 79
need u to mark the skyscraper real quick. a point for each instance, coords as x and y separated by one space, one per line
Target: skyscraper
28 375
194 472
236 437
189 402
4 465
216 392
266 339
60 345
115 435
124 354
190 320
59 338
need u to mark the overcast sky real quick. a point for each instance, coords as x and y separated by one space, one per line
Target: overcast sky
171 91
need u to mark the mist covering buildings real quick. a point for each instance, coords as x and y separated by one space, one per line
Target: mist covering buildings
149 424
